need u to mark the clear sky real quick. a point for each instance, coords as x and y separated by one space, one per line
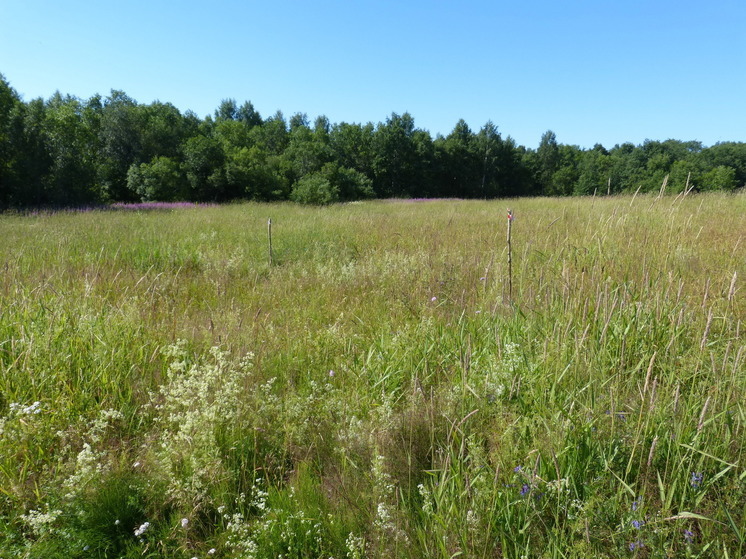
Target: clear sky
591 71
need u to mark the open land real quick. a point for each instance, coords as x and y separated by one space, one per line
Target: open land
376 387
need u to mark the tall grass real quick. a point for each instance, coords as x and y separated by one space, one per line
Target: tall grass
167 391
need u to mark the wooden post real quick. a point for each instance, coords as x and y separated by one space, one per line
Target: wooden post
510 257
269 236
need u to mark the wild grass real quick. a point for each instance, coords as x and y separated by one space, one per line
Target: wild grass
165 391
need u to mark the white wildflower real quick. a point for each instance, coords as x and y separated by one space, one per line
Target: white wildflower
427 499
41 522
383 516
142 529
355 546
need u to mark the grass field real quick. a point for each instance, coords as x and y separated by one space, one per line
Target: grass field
375 391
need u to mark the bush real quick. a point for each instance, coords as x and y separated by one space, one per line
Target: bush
351 184
160 180
315 190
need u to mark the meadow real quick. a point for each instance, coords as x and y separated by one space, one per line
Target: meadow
376 389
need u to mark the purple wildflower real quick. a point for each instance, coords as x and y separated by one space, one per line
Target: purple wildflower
525 490
696 480
140 206
637 524
517 469
688 536
636 545
635 504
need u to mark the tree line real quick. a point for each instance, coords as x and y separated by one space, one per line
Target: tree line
65 151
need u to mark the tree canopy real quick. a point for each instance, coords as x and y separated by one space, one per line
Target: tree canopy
66 151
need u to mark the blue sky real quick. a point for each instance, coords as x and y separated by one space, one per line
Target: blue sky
601 71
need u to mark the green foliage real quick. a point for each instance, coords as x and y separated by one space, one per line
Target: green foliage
315 190
395 160
548 158
350 184
251 174
161 180
203 166
719 178
65 152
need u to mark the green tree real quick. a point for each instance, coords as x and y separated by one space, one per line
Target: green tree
395 157
298 120
273 135
9 101
548 163
228 110
163 130
352 146
626 160
120 141
232 134
249 116
307 151
71 145
684 174
30 156
203 166
348 183
160 180
459 163
719 178
252 173
489 150
594 172
423 175
315 190
728 154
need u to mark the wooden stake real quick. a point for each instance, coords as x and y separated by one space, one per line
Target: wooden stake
269 236
510 256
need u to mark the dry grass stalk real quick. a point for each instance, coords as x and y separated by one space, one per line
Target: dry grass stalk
687 188
652 393
663 187
701 422
650 370
652 450
634 196
706 333
707 292
732 290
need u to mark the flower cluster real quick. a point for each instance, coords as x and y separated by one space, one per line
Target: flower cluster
20 409
140 531
696 480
